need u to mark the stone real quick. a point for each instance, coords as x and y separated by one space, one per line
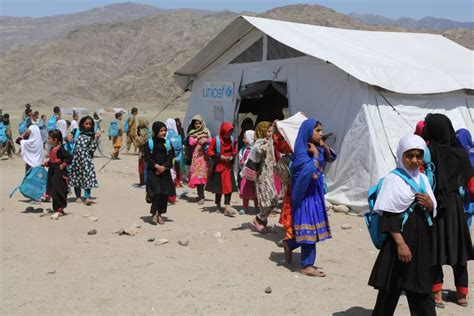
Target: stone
93 219
346 226
183 242
55 216
92 232
161 241
341 209
151 239
268 290
51 272
132 231
329 206
218 235
137 225
86 215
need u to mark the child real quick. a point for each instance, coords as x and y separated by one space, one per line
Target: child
222 179
97 127
132 131
247 187
142 143
159 161
43 130
82 174
464 138
59 159
173 137
405 260
309 217
117 140
264 182
198 138
452 242
31 147
75 119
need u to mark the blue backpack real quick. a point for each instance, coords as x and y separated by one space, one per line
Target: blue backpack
51 124
373 219
22 126
218 143
125 125
69 146
3 133
429 168
177 143
33 185
114 129
151 144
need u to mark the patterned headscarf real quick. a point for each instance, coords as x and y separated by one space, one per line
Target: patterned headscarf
261 130
198 132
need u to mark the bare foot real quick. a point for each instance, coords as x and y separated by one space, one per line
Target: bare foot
161 221
313 272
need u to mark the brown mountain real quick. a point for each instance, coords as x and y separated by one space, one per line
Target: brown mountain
131 62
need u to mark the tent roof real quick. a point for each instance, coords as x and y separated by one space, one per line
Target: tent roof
411 63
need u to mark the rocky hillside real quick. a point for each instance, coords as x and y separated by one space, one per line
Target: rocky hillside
131 62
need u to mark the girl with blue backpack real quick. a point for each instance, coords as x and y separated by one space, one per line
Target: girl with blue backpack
452 242
159 184
82 175
405 259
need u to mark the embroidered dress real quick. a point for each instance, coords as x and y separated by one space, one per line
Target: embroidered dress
199 164
247 187
82 168
264 183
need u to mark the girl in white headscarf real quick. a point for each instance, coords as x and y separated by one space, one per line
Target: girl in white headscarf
247 187
62 126
404 261
32 147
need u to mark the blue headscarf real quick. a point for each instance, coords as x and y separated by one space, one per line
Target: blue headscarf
465 139
302 167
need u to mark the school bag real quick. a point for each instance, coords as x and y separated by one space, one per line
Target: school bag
22 126
33 185
374 219
177 143
3 133
51 124
69 146
114 129
429 168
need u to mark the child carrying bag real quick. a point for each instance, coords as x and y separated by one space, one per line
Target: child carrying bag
33 185
373 219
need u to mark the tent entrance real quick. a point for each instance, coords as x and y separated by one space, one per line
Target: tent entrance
264 99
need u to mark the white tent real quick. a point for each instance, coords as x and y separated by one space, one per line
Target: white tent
369 88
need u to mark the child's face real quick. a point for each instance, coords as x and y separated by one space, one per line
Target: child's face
52 141
317 134
162 133
245 141
88 125
43 117
412 159
119 118
197 124
269 132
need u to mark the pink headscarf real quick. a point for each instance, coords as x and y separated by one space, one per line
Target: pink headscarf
419 128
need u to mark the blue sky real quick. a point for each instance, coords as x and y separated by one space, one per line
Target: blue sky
460 10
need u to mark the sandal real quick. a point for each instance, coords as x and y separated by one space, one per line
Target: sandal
288 252
452 297
313 272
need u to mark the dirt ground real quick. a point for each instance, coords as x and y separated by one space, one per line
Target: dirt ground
54 267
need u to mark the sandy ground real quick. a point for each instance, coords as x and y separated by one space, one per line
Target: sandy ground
54 267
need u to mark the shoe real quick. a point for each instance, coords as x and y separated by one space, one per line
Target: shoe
242 212
229 211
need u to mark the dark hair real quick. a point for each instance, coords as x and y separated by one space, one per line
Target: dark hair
68 123
83 120
118 114
27 105
28 111
134 110
56 134
6 116
36 112
56 110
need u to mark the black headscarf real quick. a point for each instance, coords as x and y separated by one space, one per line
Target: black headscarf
452 166
156 129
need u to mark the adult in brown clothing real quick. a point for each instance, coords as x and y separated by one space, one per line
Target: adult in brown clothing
132 132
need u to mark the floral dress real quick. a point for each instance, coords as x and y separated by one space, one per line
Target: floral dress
199 165
82 169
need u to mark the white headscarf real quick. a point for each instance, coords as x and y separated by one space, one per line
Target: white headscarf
62 126
32 148
171 124
289 128
249 136
396 195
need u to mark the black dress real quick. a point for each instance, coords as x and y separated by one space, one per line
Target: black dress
389 272
57 186
158 187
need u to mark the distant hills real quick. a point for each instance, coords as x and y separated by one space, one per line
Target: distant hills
124 55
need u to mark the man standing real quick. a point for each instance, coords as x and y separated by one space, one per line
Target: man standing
132 131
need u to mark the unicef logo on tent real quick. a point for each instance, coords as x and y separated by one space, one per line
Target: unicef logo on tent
218 91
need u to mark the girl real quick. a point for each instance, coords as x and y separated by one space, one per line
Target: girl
452 241
142 143
173 137
118 140
198 138
247 187
82 174
310 220
246 125
159 161
59 159
31 147
97 128
43 130
465 139
264 182
222 179
405 259
61 125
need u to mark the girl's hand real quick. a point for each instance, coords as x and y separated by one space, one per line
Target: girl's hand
424 200
161 169
404 252
312 149
97 136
